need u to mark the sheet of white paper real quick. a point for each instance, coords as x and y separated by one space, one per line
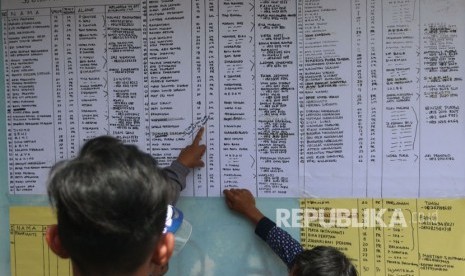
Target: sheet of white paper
328 98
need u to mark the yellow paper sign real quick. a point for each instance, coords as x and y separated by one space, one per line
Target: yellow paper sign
390 237
30 254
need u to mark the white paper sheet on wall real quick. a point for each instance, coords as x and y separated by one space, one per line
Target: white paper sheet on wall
299 98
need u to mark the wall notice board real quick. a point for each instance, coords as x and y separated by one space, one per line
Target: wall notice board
300 98
388 237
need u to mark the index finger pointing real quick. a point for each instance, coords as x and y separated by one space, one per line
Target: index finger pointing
198 136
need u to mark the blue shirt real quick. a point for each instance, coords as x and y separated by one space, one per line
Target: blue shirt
283 244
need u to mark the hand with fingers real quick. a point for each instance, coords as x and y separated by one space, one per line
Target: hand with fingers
243 202
191 156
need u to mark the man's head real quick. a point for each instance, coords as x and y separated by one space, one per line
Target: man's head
111 204
322 261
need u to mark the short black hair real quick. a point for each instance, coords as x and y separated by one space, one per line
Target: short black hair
111 203
322 261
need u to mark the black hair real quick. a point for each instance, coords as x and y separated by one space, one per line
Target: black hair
111 204
322 261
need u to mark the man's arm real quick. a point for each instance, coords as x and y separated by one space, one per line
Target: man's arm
190 157
177 173
283 244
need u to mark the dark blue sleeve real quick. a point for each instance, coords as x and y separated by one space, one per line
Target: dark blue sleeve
283 244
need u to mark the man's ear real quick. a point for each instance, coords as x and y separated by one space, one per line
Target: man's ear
163 249
54 242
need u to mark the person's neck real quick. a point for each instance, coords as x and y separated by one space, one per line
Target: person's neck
142 271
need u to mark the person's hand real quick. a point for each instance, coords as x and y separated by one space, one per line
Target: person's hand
243 202
191 156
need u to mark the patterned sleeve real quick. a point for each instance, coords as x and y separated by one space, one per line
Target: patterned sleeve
283 244
176 172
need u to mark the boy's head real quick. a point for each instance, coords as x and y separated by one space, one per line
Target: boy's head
111 204
322 261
